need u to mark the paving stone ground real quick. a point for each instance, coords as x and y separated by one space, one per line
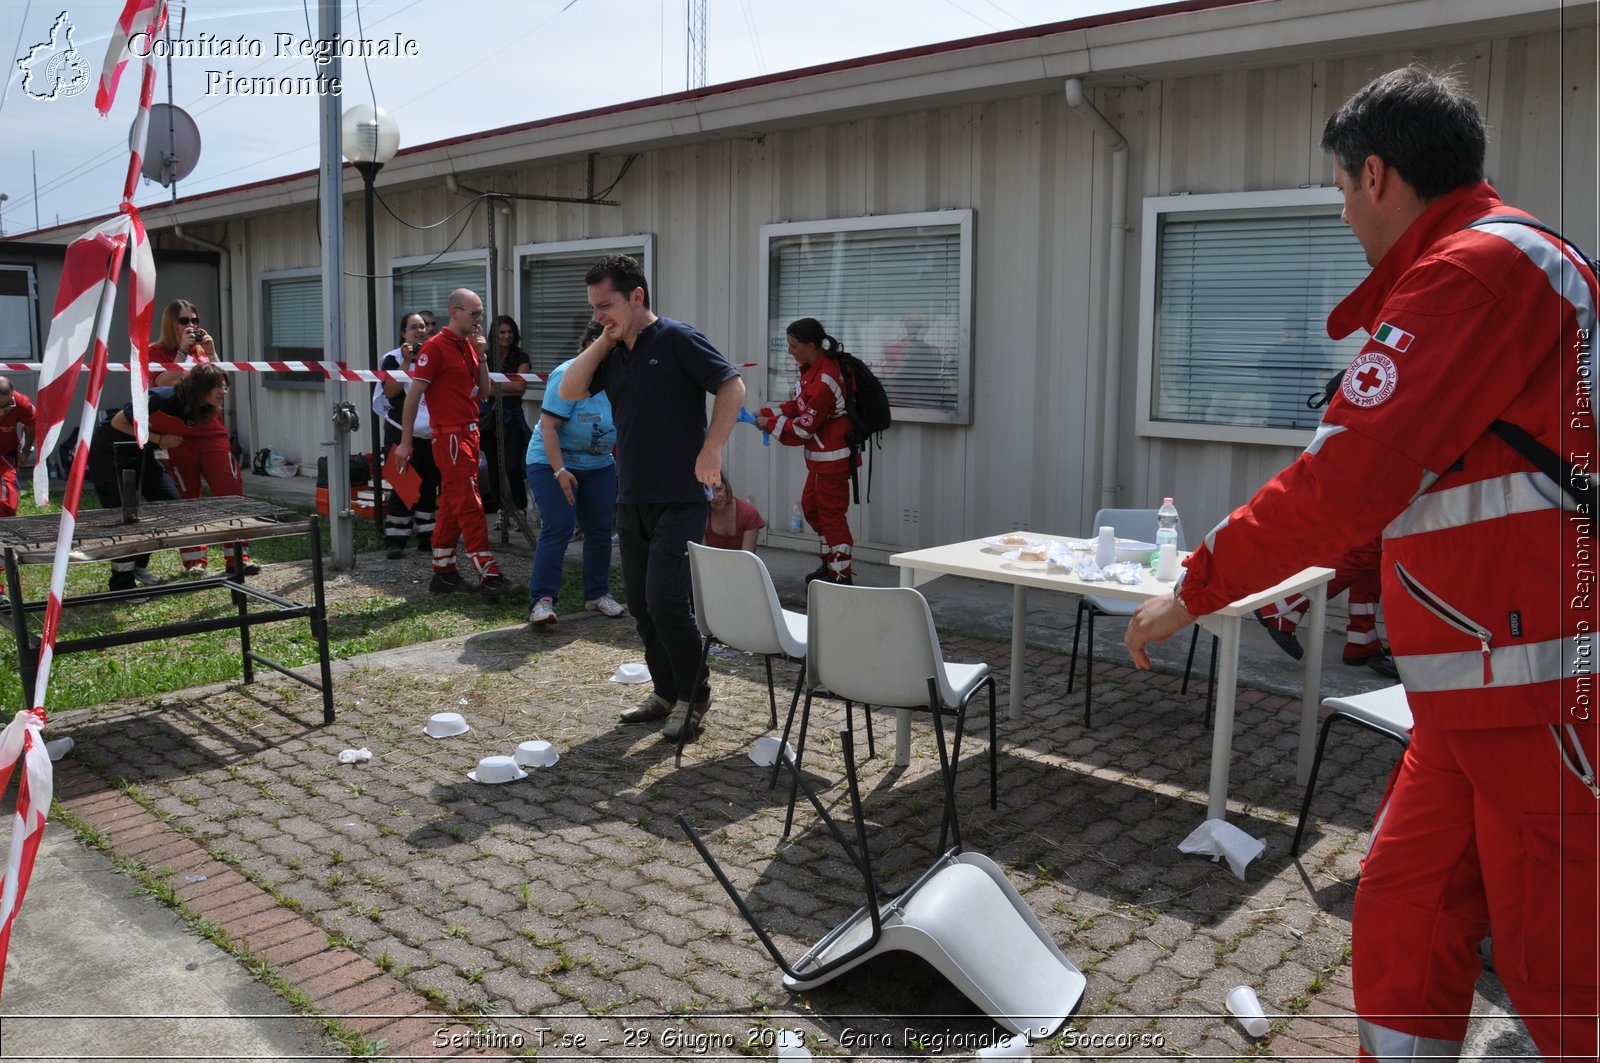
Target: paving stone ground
569 913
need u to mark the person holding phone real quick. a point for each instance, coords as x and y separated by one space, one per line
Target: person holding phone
208 454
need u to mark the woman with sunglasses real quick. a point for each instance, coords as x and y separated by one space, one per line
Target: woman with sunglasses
208 453
504 407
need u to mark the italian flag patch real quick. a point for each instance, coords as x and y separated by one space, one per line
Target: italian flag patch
1389 336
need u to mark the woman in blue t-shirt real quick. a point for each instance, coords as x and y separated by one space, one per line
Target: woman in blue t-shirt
573 477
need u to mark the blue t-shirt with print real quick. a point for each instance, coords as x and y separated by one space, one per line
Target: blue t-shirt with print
586 435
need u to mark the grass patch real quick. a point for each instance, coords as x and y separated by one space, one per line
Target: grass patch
356 625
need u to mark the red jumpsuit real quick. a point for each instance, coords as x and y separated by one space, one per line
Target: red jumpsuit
1489 582
206 454
815 419
19 416
450 366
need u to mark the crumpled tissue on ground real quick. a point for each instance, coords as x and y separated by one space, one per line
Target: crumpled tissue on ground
355 756
1221 840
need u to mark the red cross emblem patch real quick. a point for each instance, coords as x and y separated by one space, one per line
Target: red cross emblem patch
1370 379
422 360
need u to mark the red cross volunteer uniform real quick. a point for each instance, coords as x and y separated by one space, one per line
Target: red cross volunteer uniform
1488 583
450 366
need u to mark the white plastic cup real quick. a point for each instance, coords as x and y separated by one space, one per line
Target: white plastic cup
1106 549
1244 1006
1013 1047
790 1046
1167 563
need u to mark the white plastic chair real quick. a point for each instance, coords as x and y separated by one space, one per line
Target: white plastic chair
1139 524
877 645
962 916
1383 712
736 605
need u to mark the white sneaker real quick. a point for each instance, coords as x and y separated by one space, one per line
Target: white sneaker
606 605
543 612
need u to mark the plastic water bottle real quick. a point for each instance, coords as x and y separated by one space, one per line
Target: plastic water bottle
797 519
1166 524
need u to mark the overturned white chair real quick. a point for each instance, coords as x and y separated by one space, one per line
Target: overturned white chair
1383 712
962 916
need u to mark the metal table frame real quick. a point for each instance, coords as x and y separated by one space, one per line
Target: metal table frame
975 560
263 525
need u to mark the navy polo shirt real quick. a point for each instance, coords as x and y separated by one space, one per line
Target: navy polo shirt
658 402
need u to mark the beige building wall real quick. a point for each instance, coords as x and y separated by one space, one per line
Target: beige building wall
1037 178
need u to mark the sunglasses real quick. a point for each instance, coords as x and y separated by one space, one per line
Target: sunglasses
188 321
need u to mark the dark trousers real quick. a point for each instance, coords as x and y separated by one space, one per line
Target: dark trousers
400 519
655 542
517 436
106 477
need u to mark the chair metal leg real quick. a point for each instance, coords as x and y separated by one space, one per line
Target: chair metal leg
950 824
788 724
799 752
1311 784
1211 684
866 712
994 751
1194 637
1077 630
1088 670
772 694
703 675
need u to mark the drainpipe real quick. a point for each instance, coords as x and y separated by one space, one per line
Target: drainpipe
225 268
1118 231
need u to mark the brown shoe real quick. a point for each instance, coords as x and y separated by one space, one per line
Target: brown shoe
686 717
653 707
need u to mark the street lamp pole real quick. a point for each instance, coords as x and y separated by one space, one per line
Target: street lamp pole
371 137
3 198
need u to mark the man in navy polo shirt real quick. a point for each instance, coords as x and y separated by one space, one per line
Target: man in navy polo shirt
657 373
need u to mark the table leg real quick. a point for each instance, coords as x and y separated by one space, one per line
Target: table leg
1311 692
1222 732
1019 649
902 717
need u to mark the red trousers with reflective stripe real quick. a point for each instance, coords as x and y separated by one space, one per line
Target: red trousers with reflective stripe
826 505
1483 831
455 452
8 486
1359 570
211 458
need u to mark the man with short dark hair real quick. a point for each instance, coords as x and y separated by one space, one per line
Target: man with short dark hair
16 427
451 370
1490 820
657 373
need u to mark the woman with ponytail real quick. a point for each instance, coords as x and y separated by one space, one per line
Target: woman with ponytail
815 419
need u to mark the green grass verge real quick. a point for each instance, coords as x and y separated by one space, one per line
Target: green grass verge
356 626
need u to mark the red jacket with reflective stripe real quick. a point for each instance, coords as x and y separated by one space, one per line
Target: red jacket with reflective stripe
815 417
1488 569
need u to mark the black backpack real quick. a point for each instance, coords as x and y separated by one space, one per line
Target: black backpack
866 403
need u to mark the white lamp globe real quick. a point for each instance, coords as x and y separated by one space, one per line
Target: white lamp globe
370 134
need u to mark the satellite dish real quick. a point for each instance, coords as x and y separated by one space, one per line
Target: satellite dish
172 144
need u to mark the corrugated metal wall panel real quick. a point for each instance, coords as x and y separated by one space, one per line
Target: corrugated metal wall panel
1037 179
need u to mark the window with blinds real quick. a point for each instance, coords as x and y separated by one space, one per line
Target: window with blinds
19 329
895 291
426 284
552 299
291 327
1240 306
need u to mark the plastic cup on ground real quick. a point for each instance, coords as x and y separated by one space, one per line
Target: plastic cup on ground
1244 1006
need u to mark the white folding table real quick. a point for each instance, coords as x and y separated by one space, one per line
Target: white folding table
976 560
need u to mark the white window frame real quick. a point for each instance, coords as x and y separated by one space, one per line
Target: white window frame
31 353
962 218
441 312
1290 202
599 246
277 381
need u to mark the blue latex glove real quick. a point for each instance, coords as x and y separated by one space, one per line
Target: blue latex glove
746 417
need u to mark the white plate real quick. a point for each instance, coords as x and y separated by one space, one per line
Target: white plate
995 540
1016 562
